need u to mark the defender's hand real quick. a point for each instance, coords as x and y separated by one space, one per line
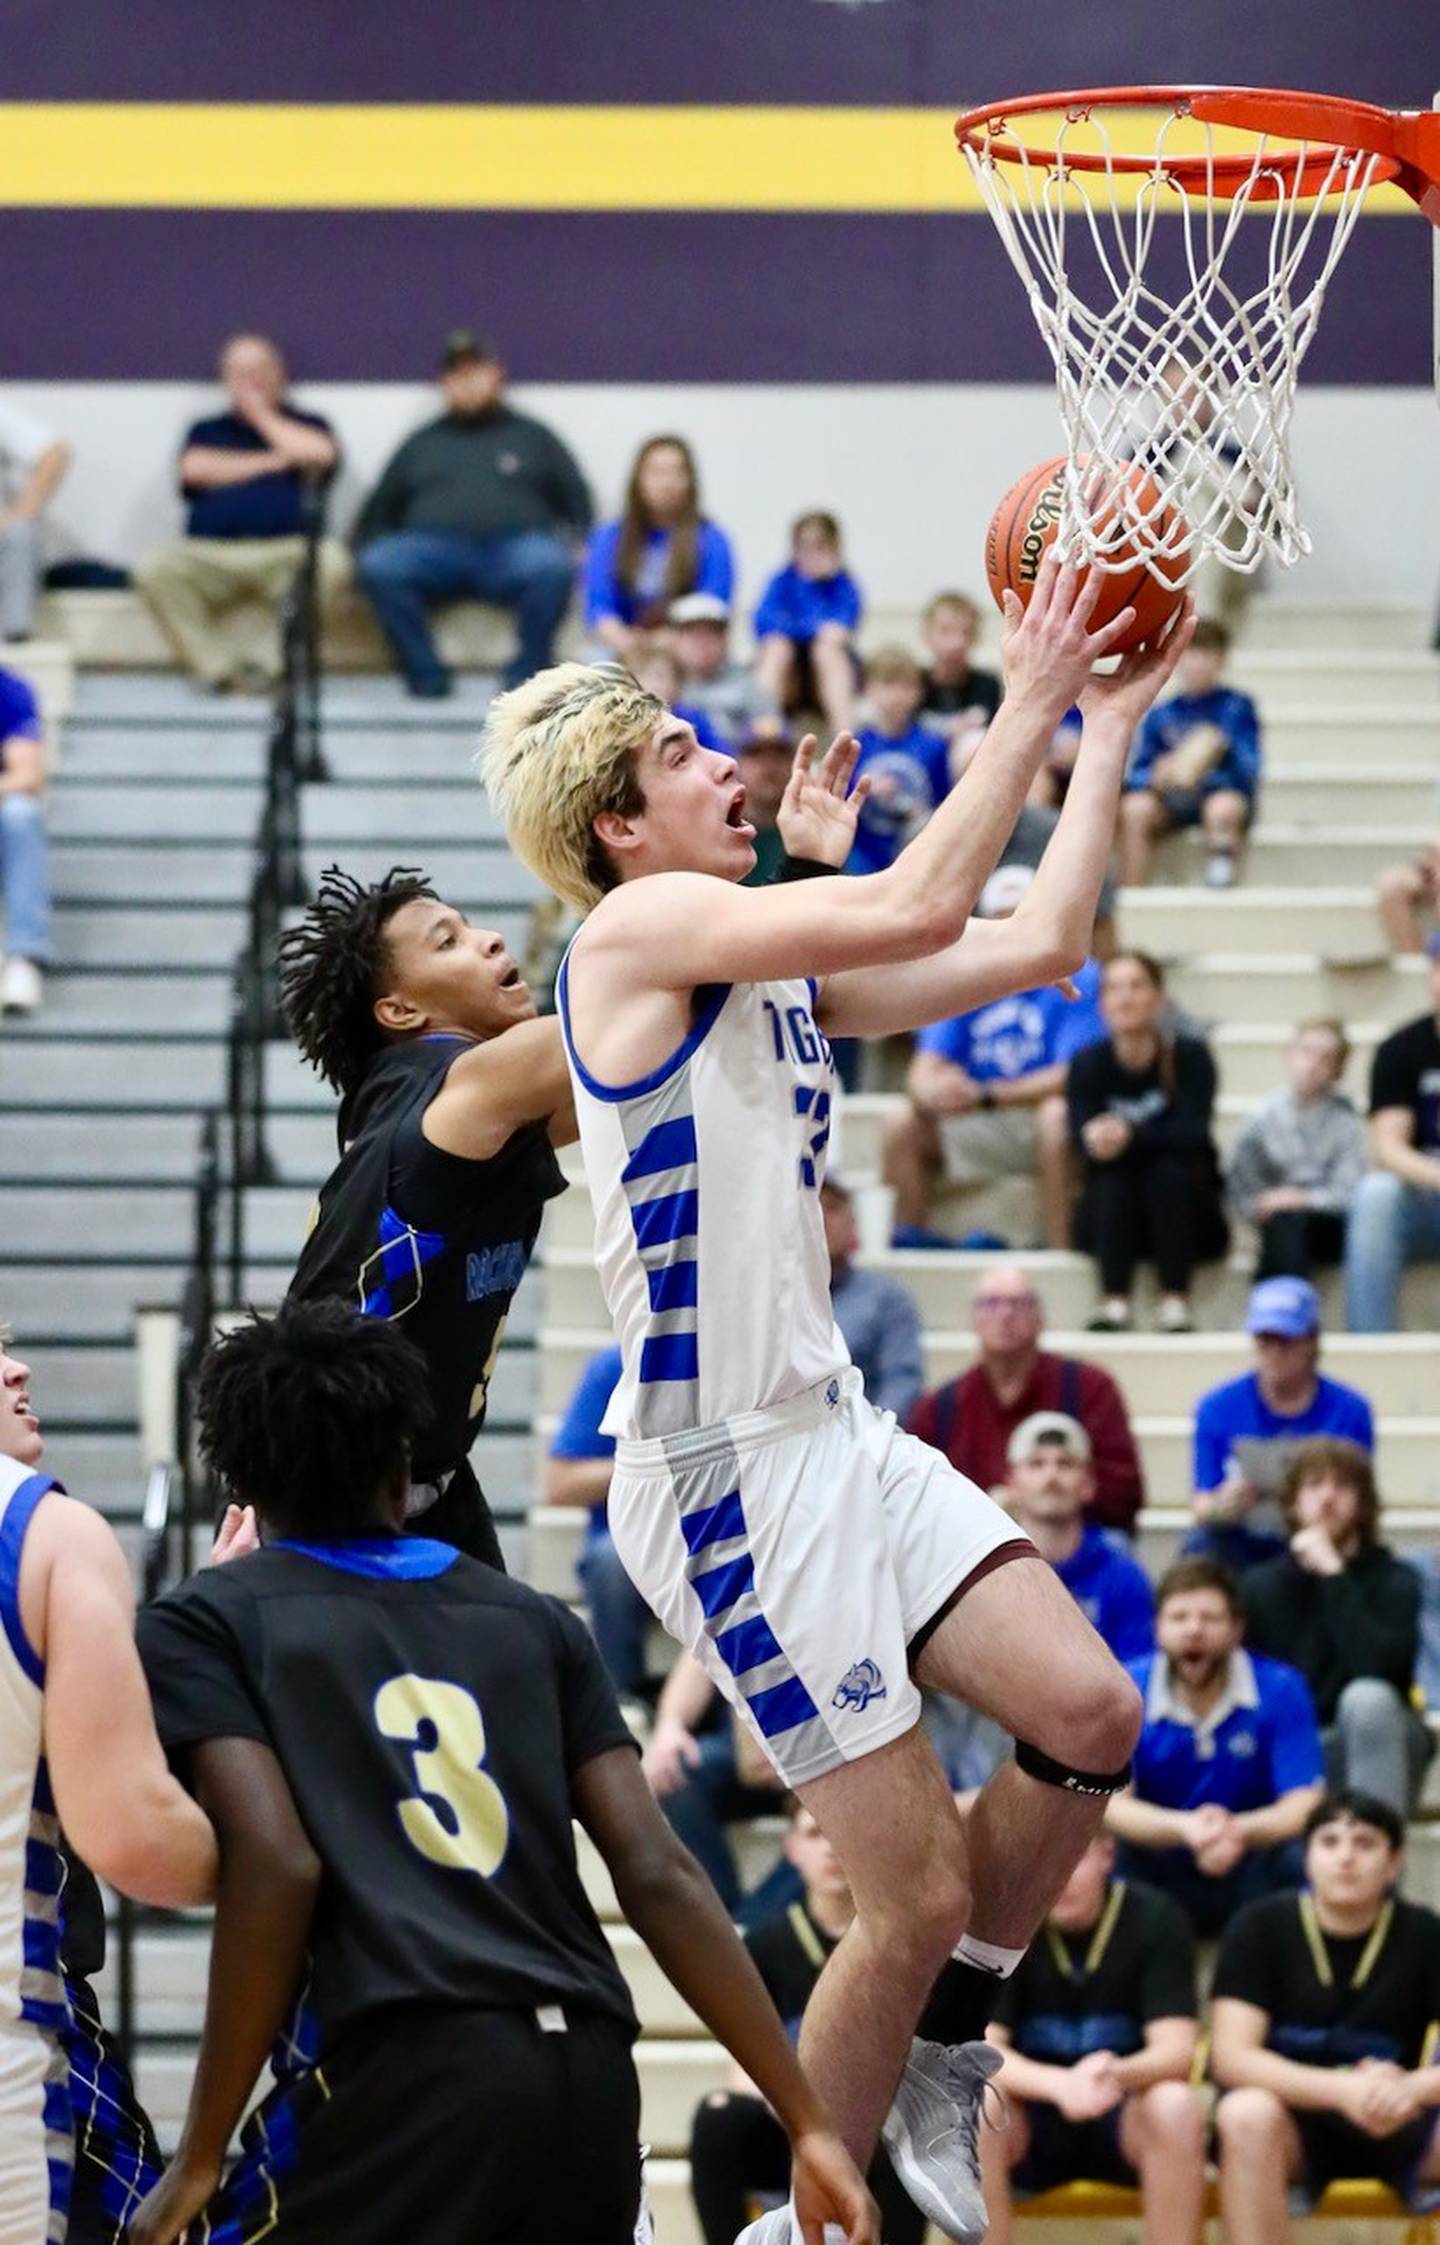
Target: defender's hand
819 809
829 2187
167 2211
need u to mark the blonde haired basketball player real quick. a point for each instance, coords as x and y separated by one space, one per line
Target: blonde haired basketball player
78 1747
820 1562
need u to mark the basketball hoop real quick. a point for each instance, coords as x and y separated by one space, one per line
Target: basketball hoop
1180 345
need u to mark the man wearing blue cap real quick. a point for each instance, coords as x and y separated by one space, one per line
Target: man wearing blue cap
1248 1430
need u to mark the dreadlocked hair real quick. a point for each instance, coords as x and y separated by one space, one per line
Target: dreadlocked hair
311 1415
330 968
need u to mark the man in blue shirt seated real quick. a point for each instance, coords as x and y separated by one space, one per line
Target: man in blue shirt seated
1248 1431
577 1472
908 768
1196 762
253 478
1050 1486
878 1318
1229 1763
986 1095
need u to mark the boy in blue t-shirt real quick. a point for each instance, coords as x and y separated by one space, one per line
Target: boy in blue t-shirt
1196 762
805 626
908 766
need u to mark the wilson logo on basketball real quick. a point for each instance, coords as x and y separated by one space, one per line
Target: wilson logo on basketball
1039 530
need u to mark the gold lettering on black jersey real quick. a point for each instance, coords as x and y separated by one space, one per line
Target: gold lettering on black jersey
450 1771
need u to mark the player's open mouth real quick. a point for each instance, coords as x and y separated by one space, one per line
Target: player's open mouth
735 817
512 979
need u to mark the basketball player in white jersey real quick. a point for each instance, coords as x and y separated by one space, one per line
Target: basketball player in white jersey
819 1561
78 1748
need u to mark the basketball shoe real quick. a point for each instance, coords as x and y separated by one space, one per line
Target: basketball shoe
932 2133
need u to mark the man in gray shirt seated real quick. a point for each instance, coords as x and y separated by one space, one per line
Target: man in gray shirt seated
481 504
878 1318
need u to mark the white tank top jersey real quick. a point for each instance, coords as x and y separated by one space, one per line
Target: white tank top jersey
705 1181
31 1993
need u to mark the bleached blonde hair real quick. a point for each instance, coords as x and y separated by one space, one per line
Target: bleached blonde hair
556 752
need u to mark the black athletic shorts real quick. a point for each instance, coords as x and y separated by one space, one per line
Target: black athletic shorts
432 2127
116 2156
1070 2151
1337 2151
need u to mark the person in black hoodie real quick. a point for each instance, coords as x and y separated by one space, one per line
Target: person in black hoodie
453 1098
1140 1106
1346 1612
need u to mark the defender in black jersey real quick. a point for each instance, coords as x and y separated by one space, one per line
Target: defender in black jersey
453 1097
1325 2018
396 1739
1098 2026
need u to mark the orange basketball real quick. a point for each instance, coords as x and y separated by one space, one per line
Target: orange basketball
1026 520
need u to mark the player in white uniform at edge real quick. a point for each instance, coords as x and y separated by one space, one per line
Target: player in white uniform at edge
818 1560
78 1748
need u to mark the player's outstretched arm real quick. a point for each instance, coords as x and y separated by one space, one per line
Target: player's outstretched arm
675 931
671 1904
269 1876
121 1809
1049 936
492 1091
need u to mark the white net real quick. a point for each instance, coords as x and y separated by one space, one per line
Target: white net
1177 299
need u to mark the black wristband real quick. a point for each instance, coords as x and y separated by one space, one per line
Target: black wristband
800 869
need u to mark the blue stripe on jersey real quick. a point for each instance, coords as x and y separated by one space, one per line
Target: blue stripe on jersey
40 1937
748 1645
669 1356
391 1278
380 1558
670 1145
676 1287
716 1524
782 1707
720 1587
58 2120
709 999
673 1216
19 1512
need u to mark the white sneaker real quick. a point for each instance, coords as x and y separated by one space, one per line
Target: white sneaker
778 2228
932 2133
21 986
1220 870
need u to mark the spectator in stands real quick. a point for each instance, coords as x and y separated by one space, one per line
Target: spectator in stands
1229 1763
1196 763
655 666
1324 2015
1298 1162
1395 1215
1050 1491
480 504
24 858
33 463
1345 1611
876 1315
908 768
730 695
253 478
1098 2027
1408 900
738 2150
661 547
985 1095
764 760
1140 1107
1248 1431
577 1472
957 700
973 1417
805 625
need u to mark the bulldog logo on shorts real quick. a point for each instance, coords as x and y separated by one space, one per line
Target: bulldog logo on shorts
859 1685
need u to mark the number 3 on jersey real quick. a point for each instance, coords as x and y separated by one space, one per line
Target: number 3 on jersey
445 1731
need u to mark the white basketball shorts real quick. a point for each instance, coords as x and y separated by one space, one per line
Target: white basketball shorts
36 2150
797 1551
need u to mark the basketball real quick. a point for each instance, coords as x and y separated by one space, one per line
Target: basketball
1024 525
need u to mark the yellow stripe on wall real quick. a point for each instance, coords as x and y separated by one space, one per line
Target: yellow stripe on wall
237 156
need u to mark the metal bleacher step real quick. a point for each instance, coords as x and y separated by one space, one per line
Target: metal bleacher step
88 1301
129 934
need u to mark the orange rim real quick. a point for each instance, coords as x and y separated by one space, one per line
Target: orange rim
1405 142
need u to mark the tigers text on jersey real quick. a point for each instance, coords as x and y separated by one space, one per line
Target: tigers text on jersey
428 1714
35 2145
705 1178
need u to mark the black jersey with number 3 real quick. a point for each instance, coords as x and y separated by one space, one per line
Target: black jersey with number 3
405 1230
429 1715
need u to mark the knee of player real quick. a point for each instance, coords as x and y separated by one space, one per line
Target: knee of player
1173 2117
1249 2121
1094 1719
